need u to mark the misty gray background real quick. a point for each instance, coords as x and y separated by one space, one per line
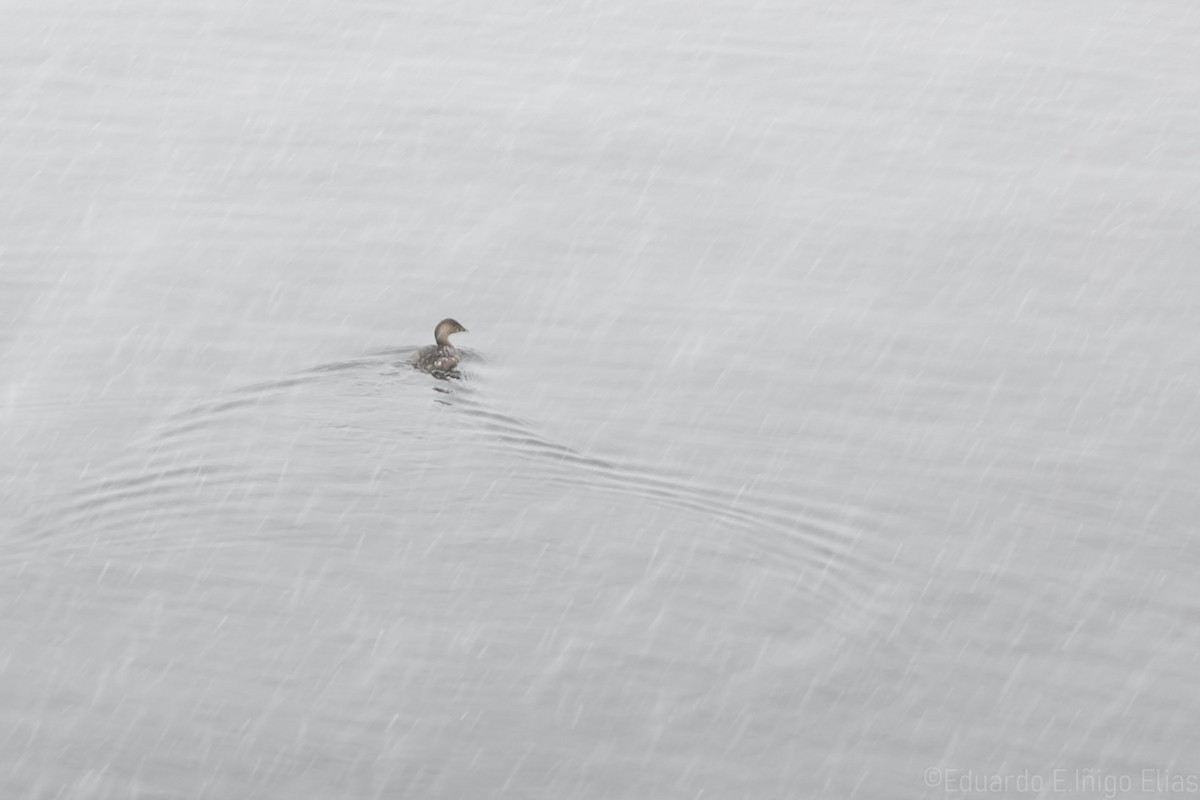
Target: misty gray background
828 415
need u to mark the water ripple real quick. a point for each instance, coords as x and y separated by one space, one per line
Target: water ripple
225 457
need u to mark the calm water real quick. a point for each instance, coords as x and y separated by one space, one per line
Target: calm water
828 423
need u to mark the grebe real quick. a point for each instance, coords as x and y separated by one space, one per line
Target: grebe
440 357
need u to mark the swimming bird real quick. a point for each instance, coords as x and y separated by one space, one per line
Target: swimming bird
442 356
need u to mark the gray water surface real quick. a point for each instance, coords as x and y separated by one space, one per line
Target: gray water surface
827 425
